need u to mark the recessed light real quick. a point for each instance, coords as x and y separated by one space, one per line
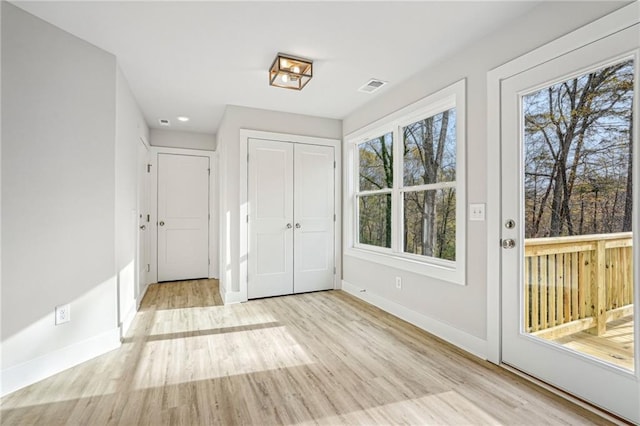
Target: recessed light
183 118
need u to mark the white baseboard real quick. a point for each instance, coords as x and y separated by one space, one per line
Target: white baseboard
128 320
142 295
231 297
465 341
30 372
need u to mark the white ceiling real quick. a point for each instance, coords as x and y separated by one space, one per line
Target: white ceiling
193 58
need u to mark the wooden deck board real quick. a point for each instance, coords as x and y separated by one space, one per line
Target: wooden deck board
320 358
614 346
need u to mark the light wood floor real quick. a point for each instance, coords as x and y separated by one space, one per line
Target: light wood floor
614 346
314 358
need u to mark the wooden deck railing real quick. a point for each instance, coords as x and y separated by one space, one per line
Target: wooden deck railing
577 283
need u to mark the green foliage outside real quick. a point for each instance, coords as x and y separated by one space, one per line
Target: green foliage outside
429 158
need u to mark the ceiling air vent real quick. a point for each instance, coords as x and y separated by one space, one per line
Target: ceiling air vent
164 122
372 85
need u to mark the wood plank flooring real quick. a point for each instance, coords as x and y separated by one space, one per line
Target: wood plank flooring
614 346
318 358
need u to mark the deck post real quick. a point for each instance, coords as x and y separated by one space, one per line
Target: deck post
599 289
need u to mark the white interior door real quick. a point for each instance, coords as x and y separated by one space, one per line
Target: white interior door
314 258
270 188
569 273
183 217
142 259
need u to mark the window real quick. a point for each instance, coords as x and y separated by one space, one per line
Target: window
375 188
429 186
406 198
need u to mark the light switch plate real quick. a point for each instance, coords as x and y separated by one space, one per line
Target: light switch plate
476 211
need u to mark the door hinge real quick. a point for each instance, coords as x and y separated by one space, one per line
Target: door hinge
148 268
334 217
209 216
247 218
148 218
209 172
334 164
148 168
334 270
209 261
247 158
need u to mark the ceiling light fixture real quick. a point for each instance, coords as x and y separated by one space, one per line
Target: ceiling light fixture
290 72
183 118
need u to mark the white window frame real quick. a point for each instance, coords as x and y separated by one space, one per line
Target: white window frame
452 96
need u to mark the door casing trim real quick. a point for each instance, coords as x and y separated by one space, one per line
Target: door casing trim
245 135
152 276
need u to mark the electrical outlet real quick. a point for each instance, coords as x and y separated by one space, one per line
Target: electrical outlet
476 212
398 282
63 314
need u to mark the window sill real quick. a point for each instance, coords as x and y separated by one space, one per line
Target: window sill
442 272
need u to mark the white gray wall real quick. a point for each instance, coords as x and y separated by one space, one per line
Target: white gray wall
181 139
67 118
461 310
228 143
130 128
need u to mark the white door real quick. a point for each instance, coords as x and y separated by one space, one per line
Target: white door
314 258
270 181
291 218
142 209
569 247
183 217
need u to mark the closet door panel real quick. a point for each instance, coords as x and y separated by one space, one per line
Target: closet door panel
270 208
314 187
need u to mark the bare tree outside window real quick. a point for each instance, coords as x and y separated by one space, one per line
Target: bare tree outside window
375 183
578 150
429 186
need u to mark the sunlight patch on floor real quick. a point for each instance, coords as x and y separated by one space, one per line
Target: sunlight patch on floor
204 318
189 359
442 408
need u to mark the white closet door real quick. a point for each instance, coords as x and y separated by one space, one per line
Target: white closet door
270 218
183 217
314 258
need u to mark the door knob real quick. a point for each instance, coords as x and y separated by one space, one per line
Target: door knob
298 226
289 226
143 227
508 243
161 223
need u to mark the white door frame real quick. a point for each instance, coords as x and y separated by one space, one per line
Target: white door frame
245 135
213 207
143 207
615 21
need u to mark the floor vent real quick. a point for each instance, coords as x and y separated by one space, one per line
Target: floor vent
372 86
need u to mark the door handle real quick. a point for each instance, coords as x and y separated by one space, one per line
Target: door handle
508 243
161 223
143 227
298 226
289 226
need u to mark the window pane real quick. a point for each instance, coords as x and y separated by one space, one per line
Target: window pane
430 150
430 223
578 152
578 203
375 220
376 163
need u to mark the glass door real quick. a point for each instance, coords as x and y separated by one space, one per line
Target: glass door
569 285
